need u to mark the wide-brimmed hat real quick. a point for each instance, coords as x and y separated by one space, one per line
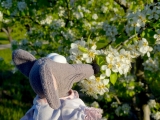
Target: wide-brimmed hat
50 79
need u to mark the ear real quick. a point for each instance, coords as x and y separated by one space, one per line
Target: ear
49 86
23 61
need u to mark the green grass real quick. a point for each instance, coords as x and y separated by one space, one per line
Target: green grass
2 42
3 38
12 110
6 55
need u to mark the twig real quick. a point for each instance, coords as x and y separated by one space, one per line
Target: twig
8 33
123 43
68 12
117 99
124 6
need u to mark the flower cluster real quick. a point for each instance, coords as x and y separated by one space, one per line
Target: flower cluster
157 36
56 23
128 82
140 47
135 21
138 20
117 62
68 35
111 31
123 110
21 5
80 51
81 11
7 4
48 20
155 109
151 64
94 86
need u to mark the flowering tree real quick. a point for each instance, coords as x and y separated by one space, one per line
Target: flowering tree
123 38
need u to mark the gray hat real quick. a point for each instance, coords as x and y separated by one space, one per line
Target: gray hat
49 79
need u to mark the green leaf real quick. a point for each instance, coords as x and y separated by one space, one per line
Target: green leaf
148 34
113 78
82 49
101 44
100 60
8 12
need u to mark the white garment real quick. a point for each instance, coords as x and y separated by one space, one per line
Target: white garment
71 109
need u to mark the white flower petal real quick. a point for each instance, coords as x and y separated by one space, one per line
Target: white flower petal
108 72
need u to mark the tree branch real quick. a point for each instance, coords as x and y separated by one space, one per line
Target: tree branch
146 112
8 33
124 6
117 99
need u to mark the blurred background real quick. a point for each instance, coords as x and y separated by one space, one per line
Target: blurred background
16 95
105 26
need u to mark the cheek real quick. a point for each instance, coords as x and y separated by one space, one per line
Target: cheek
54 82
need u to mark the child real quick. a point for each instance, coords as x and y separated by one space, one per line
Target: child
52 78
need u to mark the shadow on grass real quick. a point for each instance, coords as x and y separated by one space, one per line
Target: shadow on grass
16 95
12 110
3 38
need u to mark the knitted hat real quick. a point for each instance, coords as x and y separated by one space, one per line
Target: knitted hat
57 58
50 79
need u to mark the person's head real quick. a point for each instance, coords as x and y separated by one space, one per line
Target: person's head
50 77
57 58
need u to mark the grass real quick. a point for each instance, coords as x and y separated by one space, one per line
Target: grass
12 89
3 38
6 55
12 106
12 110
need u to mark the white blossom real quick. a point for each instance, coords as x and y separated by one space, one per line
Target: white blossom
57 24
117 62
94 16
111 31
118 111
156 48
144 48
75 53
114 104
89 56
7 4
78 15
157 36
151 64
156 115
140 47
61 11
152 103
48 20
126 108
38 43
154 13
68 35
21 5
123 110
95 85
135 21
104 8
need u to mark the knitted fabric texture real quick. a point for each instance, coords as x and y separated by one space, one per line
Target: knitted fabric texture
23 61
44 71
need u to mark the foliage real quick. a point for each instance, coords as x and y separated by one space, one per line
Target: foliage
5 54
121 36
15 93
